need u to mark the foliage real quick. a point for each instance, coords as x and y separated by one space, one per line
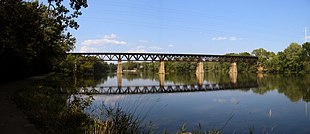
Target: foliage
83 66
116 120
178 67
47 106
306 50
293 86
294 59
291 58
34 36
264 56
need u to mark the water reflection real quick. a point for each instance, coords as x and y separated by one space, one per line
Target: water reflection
161 80
119 80
295 87
275 104
199 77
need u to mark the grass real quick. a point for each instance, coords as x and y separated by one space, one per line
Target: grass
114 120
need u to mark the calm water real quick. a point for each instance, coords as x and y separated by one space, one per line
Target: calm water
268 104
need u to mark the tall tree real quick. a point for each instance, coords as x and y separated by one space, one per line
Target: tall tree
291 58
306 50
264 57
306 56
34 36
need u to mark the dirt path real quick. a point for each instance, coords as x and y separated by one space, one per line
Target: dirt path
12 119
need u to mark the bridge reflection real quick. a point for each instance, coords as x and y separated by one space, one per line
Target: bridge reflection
147 89
199 77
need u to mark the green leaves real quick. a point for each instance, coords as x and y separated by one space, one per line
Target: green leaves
294 59
34 37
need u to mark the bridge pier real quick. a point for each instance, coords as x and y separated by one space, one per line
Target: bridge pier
199 69
260 69
161 69
119 67
233 68
233 72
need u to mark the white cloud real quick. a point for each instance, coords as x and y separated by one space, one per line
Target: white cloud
170 45
231 38
138 49
88 49
109 100
142 49
112 36
155 48
219 38
143 41
105 41
232 100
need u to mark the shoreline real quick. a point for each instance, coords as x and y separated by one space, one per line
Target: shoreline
12 119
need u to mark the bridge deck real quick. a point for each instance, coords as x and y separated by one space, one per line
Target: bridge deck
166 57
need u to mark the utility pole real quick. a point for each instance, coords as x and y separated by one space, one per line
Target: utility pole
306 37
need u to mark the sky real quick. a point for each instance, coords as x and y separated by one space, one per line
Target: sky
191 26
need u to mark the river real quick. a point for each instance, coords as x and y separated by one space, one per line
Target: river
248 102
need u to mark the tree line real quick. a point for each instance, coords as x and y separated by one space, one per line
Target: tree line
294 59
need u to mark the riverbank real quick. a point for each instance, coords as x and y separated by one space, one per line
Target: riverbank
12 119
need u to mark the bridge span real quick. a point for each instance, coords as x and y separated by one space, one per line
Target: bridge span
162 57
148 89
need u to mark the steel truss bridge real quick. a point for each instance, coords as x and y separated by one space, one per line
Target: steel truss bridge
166 57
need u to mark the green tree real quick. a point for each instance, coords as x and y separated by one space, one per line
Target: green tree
291 58
34 36
306 56
265 58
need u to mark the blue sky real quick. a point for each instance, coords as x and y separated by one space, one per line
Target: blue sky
191 26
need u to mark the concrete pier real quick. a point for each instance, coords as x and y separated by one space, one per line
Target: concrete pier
199 69
233 68
161 69
233 72
119 67
260 69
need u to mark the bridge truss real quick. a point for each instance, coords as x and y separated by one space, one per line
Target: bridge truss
167 57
